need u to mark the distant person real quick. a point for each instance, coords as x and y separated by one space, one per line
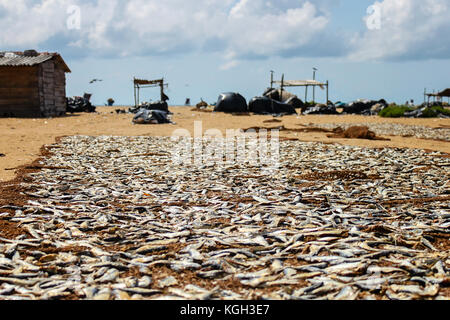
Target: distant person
188 102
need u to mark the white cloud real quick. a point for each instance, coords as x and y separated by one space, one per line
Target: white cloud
229 65
238 29
248 28
410 29
27 23
255 28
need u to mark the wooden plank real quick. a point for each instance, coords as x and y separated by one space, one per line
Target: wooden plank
15 101
18 78
60 92
24 111
48 66
7 90
18 71
60 102
28 83
19 107
15 96
6 93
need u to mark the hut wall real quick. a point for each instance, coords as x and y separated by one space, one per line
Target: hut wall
60 91
52 89
19 95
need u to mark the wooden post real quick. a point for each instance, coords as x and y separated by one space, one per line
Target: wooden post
138 97
271 79
134 88
327 93
314 86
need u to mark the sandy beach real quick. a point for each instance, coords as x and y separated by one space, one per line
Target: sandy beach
23 138
109 215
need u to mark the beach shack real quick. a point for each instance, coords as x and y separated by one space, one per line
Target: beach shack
32 84
439 95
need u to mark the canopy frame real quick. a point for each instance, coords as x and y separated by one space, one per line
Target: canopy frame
301 83
439 95
142 83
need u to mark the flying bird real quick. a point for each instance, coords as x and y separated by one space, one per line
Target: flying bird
95 80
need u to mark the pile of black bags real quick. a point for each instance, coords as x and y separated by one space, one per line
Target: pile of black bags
80 104
157 105
364 107
145 116
265 105
330 108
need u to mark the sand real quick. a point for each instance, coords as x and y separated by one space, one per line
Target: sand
22 138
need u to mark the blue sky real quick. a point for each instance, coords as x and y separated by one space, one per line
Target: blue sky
205 47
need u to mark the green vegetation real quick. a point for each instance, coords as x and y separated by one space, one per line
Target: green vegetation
394 111
433 112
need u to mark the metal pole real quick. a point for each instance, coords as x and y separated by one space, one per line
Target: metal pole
281 91
138 91
135 96
271 79
306 94
314 87
327 93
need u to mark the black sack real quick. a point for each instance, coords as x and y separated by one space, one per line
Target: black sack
158 105
296 103
231 102
265 105
321 109
145 116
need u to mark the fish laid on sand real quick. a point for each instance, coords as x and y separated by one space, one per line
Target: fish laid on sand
333 222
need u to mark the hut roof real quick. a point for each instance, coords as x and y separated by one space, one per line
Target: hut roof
17 59
300 83
444 93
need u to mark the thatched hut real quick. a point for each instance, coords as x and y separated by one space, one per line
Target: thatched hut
32 84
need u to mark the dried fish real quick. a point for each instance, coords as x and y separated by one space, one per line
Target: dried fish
332 222
167 282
